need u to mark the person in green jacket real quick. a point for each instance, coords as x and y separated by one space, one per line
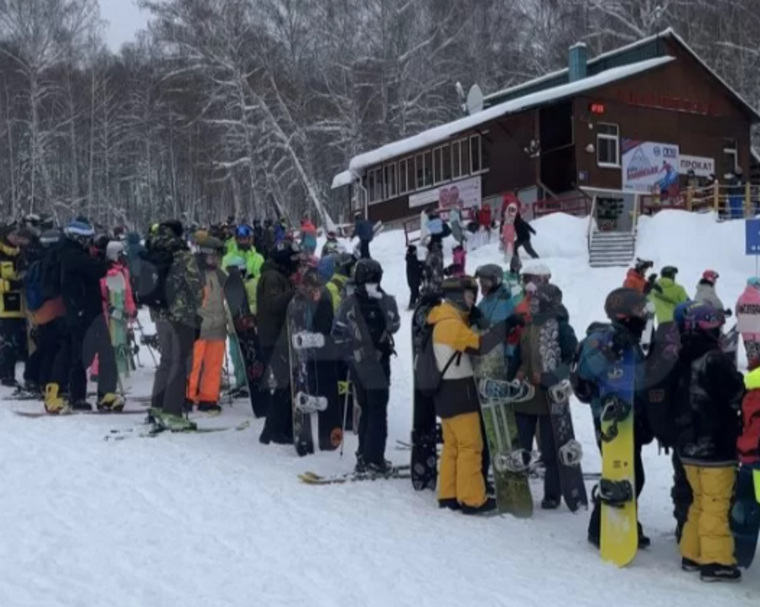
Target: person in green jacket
666 294
242 246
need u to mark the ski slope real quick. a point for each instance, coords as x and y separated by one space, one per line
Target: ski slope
219 520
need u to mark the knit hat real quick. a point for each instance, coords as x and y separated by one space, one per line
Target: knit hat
80 228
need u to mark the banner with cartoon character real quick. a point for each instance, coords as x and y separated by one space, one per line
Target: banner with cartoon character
650 167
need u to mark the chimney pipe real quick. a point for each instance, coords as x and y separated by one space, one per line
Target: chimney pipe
578 65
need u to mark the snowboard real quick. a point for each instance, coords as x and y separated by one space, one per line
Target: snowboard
39 414
729 343
246 331
745 516
116 286
748 326
424 456
316 410
509 469
555 377
619 537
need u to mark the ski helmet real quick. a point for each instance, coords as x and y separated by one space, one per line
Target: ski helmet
455 287
548 298
669 272
367 271
710 276
753 281
114 250
703 317
624 304
492 274
679 313
244 231
50 238
642 265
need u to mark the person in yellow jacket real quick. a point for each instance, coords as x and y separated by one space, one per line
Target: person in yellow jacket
344 263
461 485
666 294
12 309
242 246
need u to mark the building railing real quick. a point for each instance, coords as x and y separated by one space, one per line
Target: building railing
728 201
577 204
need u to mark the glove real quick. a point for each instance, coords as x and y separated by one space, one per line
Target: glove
728 313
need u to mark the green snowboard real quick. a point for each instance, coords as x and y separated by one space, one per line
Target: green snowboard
512 487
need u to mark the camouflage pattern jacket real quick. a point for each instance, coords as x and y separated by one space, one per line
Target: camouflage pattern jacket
184 284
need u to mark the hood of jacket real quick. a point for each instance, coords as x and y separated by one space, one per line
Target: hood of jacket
446 311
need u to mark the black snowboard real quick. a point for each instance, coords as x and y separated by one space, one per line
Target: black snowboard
424 425
745 517
248 338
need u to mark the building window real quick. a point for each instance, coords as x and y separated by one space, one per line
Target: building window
428 169
391 189
404 172
371 185
375 185
437 172
730 156
419 167
607 145
476 164
464 150
456 163
446 162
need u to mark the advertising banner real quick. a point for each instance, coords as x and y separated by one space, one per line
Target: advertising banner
650 168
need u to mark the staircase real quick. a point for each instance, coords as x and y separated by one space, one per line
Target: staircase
609 249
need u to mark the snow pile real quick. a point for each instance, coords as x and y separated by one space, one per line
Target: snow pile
219 520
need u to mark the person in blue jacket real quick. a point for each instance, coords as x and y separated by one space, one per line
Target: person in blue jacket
364 231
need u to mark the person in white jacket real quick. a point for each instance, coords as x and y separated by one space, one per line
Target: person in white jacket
706 290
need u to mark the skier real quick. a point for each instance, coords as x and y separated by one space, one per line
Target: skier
175 314
626 310
666 294
706 292
748 321
636 278
413 275
81 273
208 350
364 231
274 291
242 246
461 482
364 327
523 230
533 415
12 312
708 400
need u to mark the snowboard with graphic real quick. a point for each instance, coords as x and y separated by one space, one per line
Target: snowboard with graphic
510 471
424 456
617 488
508 232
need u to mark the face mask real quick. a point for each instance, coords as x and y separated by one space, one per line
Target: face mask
373 290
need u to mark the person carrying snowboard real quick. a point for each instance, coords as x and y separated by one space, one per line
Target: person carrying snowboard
461 480
363 331
666 294
707 403
637 279
597 356
533 416
413 275
748 321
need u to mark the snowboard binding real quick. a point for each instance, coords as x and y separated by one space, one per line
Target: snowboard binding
305 403
514 462
571 453
513 391
561 392
613 493
305 340
614 411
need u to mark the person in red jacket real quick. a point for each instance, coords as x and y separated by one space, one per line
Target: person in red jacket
485 220
636 277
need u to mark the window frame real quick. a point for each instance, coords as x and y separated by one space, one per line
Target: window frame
391 192
479 139
608 137
730 148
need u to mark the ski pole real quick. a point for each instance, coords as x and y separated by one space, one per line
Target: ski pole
345 414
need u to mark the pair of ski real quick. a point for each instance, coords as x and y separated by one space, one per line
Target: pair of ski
396 472
154 430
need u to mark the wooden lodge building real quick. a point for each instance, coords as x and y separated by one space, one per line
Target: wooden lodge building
642 119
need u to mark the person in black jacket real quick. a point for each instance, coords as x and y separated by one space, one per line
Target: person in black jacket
413 275
523 230
273 294
88 330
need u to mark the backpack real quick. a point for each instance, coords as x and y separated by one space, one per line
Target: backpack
33 286
427 378
151 281
661 396
583 389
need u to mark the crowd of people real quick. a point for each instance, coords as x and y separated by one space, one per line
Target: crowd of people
70 296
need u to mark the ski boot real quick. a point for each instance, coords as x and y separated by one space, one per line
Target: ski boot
173 423
212 408
111 403
614 411
54 403
487 507
719 573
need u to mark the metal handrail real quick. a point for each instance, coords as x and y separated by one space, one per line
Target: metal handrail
591 222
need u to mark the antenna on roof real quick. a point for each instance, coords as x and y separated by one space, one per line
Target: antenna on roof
474 100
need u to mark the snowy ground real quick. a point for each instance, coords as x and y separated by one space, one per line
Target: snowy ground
219 520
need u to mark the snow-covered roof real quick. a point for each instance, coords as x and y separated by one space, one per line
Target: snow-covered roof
342 179
668 33
444 131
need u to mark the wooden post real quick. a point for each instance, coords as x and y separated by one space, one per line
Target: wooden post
748 200
716 196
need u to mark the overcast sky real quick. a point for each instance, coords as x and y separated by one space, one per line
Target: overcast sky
124 19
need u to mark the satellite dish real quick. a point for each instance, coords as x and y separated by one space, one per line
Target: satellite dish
474 100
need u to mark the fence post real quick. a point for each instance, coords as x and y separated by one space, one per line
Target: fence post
748 200
716 196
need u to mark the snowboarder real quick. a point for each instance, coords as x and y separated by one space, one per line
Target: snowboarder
666 294
708 400
363 330
523 230
636 278
533 415
274 291
748 321
208 350
364 231
626 310
413 275
175 313
706 292
461 484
